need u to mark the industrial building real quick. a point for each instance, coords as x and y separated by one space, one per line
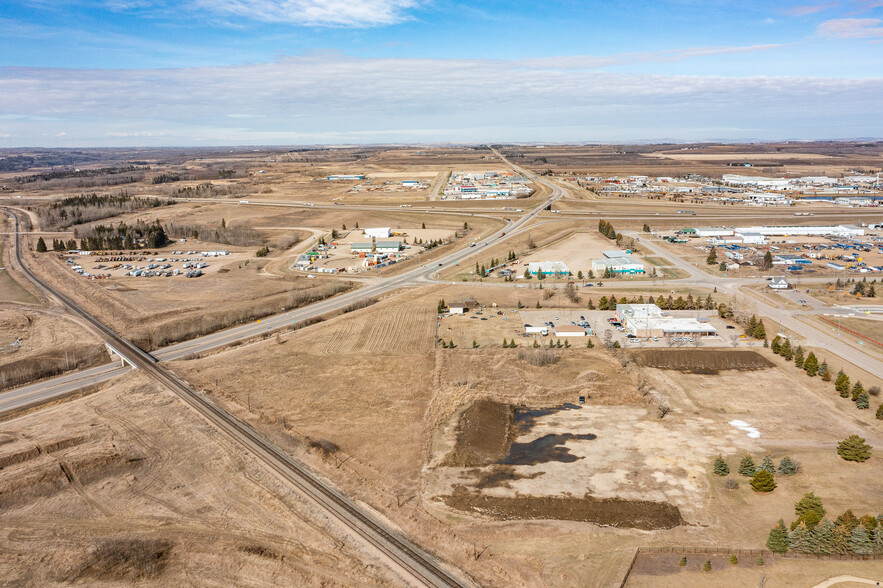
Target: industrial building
345 177
378 233
361 247
648 320
569 331
774 231
618 265
548 268
388 246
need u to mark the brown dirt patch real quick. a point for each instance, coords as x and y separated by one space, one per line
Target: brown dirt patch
611 512
702 361
484 434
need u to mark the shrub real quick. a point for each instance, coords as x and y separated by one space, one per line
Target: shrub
720 467
706 567
683 562
854 448
734 560
731 484
874 390
787 467
747 467
262 252
538 357
777 540
759 561
763 481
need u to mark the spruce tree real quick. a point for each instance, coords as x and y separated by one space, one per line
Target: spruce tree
777 540
776 345
863 401
809 510
841 384
879 414
759 331
747 467
768 465
720 467
798 357
763 481
706 567
854 448
811 364
712 256
857 390
860 542
787 467
786 350
41 245
799 539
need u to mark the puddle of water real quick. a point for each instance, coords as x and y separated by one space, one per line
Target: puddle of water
545 449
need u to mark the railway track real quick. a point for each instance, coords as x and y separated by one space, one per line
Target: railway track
418 566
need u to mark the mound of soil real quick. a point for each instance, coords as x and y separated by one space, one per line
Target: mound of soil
609 512
702 361
484 434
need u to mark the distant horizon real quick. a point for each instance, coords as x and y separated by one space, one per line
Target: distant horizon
106 73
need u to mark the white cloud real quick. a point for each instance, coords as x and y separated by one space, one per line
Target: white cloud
852 28
325 13
331 98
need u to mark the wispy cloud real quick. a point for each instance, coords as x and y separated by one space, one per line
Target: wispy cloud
593 62
851 28
808 9
330 98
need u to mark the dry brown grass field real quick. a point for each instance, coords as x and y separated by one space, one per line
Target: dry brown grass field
125 486
372 382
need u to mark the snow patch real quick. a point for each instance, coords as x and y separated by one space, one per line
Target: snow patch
746 427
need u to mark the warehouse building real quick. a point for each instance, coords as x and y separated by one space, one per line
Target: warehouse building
378 233
361 247
388 246
648 320
618 265
569 331
548 268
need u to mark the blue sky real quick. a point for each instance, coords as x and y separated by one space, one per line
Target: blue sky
215 72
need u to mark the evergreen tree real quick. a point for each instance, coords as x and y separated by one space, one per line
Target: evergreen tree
786 350
857 390
759 331
787 467
41 245
767 260
863 401
811 364
799 539
720 467
822 537
589 344
809 510
747 467
712 256
798 357
706 567
854 448
879 414
776 345
860 542
841 384
590 305
768 465
734 560
475 343
763 481
777 540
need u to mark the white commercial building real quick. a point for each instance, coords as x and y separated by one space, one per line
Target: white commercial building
378 233
618 265
785 231
548 268
388 246
648 320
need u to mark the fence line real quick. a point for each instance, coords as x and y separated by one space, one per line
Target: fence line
874 341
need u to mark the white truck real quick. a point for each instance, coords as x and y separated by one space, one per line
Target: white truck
531 330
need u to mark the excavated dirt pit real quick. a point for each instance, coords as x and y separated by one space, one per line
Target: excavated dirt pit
500 445
702 361
608 512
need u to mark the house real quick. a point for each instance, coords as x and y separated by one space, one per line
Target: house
778 283
457 308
